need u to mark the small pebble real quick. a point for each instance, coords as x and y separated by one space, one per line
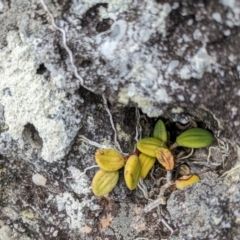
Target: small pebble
39 180
55 233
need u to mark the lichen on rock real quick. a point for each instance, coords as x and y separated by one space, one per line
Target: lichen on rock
28 98
175 60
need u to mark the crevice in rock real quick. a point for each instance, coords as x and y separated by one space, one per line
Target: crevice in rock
31 136
104 25
41 69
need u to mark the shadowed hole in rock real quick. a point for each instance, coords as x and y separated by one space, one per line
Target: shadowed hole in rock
41 69
86 63
104 25
92 14
31 136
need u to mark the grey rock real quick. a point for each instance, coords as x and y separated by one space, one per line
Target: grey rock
207 210
178 60
28 99
5 232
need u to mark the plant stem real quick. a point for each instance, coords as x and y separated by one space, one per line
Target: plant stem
173 146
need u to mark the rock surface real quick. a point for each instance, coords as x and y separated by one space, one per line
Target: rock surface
210 210
177 60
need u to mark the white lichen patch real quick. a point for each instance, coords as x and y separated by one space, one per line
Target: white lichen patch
172 65
84 147
91 124
81 183
121 225
74 209
123 45
29 217
236 123
122 136
27 98
234 111
10 212
1 6
131 93
155 16
185 72
177 110
201 62
5 232
233 12
114 6
217 17
181 97
197 34
186 38
28 214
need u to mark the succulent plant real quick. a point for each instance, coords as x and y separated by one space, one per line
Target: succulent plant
165 158
132 171
186 180
109 159
195 138
146 163
160 131
104 182
149 146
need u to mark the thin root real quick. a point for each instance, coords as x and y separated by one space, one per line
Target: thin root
167 226
220 125
223 148
159 180
153 204
185 157
231 171
112 124
138 135
152 173
161 200
205 163
166 185
64 42
161 219
228 173
95 144
143 188
85 170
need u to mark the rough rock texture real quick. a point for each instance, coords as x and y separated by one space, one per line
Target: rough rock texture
210 210
178 60
29 99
